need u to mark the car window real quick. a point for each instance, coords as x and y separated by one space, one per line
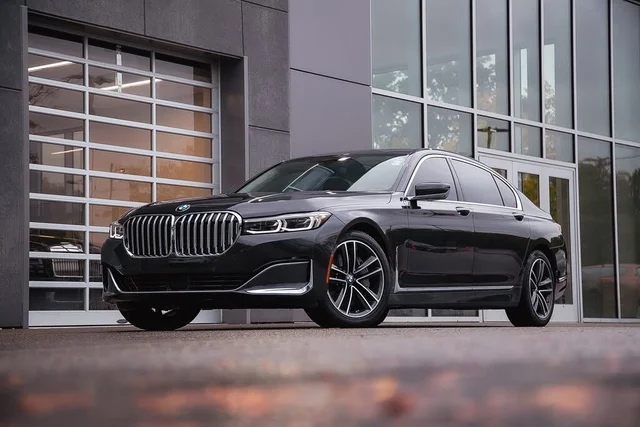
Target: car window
477 184
508 197
435 169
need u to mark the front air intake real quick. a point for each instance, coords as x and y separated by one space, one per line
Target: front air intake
208 233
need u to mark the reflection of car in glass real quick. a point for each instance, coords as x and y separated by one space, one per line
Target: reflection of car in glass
345 237
56 268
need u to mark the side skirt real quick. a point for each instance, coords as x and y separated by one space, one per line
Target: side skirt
448 298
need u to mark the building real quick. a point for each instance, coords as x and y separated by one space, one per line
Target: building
107 104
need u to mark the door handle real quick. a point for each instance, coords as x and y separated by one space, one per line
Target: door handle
463 211
519 216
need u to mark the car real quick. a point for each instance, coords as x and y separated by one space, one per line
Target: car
346 237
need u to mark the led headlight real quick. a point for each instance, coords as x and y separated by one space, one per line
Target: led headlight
116 230
285 223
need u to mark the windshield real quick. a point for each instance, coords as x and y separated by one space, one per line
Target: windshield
373 172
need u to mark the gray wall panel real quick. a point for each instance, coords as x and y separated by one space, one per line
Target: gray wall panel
266 148
125 15
233 117
332 38
266 33
214 25
276 4
328 115
14 255
11 72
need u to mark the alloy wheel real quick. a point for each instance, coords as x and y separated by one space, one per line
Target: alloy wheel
356 280
541 288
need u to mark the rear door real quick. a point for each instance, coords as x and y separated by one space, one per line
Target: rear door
501 228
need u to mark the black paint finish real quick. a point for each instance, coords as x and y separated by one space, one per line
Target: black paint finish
445 253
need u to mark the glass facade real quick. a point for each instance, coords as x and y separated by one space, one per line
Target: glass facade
548 82
111 127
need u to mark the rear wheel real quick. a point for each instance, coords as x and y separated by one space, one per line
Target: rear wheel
359 285
537 298
154 319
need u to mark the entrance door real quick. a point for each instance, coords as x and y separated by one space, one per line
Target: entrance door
552 189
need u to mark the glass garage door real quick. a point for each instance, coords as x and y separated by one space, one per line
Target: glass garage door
111 127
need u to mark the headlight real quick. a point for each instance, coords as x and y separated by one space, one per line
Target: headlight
285 223
116 230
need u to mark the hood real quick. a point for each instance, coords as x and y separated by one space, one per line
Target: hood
252 205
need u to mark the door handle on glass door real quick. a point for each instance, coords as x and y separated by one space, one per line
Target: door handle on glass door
463 211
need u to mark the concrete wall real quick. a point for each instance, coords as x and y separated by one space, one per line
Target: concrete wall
254 89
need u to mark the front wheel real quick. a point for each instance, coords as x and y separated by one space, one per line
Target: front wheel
537 298
359 285
154 319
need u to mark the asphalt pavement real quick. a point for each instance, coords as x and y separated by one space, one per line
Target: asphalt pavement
301 375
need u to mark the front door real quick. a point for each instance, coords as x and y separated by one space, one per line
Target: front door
552 189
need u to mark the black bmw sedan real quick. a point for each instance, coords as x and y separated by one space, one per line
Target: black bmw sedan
346 238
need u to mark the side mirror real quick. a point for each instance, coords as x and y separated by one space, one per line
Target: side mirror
429 191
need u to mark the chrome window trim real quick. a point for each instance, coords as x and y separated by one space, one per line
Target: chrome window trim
472 163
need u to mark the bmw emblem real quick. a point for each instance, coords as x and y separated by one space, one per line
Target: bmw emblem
183 208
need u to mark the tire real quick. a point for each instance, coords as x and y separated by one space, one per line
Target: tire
150 319
531 312
367 287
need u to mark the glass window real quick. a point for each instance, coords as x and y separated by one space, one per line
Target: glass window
626 66
526 59
55 97
558 91
184 94
183 144
117 108
396 46
62 299
434 170
183 170
56 126
96 240
97 303
560 210
119 55
102 216
54 41
183 119
449 51
119 189
183 68
117 82
528 140
478 185
65 156
508 196
559 146
529 185
123 136
396 123
492 56
41 240
596 228
62 184
113 161
55 69
592 66
49 211
170 192
450 130
628 202
494 134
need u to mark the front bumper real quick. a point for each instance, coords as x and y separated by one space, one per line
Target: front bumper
284 270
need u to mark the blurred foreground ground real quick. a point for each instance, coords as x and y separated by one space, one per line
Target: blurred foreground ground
422 375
